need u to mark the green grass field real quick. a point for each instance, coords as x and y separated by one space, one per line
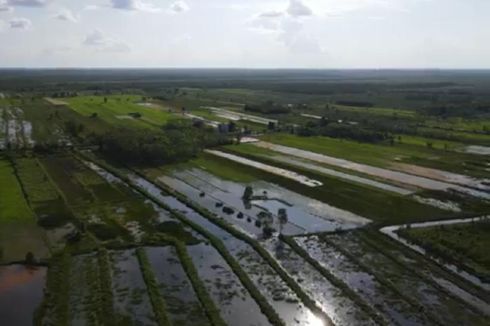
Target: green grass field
466 244
383 155
117 109
19 232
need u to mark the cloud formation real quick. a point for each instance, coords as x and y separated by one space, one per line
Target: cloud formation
20 23
136 5
298 9
4 7
28 3
66 15
99 41
179 7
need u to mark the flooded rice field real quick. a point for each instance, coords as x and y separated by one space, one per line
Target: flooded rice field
435 294
82 298
380 297
392 232
15 132
341 309
304 214
268 168
21 293
131 299
181 301
236 305
395 176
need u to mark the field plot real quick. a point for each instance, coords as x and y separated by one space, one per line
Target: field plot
424 294
131 301
384 155
15 132
225 199
19 232
121 110
235 303
464 245
183 306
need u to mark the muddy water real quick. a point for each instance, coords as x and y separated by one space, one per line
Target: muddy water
391 231
21 292
341 309
399 177
445 309
381 298
479 150
236 305
182 304
131 299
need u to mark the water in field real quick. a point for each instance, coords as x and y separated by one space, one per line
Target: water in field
304 214
333 300
236 305
381 298
21 293
183 306
131 300
479 150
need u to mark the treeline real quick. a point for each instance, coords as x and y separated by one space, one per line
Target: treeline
340 130
268 107
177 141
355 103
464 111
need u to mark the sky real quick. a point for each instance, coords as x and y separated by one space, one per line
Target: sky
318 34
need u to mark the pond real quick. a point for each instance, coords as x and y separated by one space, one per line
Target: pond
21 293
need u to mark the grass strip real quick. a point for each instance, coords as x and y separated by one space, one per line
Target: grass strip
105 278
378 318
157 301
209 307
54 309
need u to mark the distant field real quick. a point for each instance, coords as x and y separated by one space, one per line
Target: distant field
466 244
19 233
376 111
117 110
383 154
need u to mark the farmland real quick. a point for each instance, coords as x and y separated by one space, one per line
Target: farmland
244 201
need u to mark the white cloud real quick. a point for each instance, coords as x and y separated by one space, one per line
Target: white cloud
137 5
28 3
271 14
66 15
179 7
99 41
298 9
20 23
4 6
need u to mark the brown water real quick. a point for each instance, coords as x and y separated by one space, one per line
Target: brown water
21 292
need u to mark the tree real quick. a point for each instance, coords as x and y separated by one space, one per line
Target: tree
105 99
282 215
248 193
30 259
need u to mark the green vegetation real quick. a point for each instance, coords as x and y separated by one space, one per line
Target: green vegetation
157 301
386 155
19 233
464 245
118 109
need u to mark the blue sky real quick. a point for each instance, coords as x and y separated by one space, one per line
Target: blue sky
245 33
